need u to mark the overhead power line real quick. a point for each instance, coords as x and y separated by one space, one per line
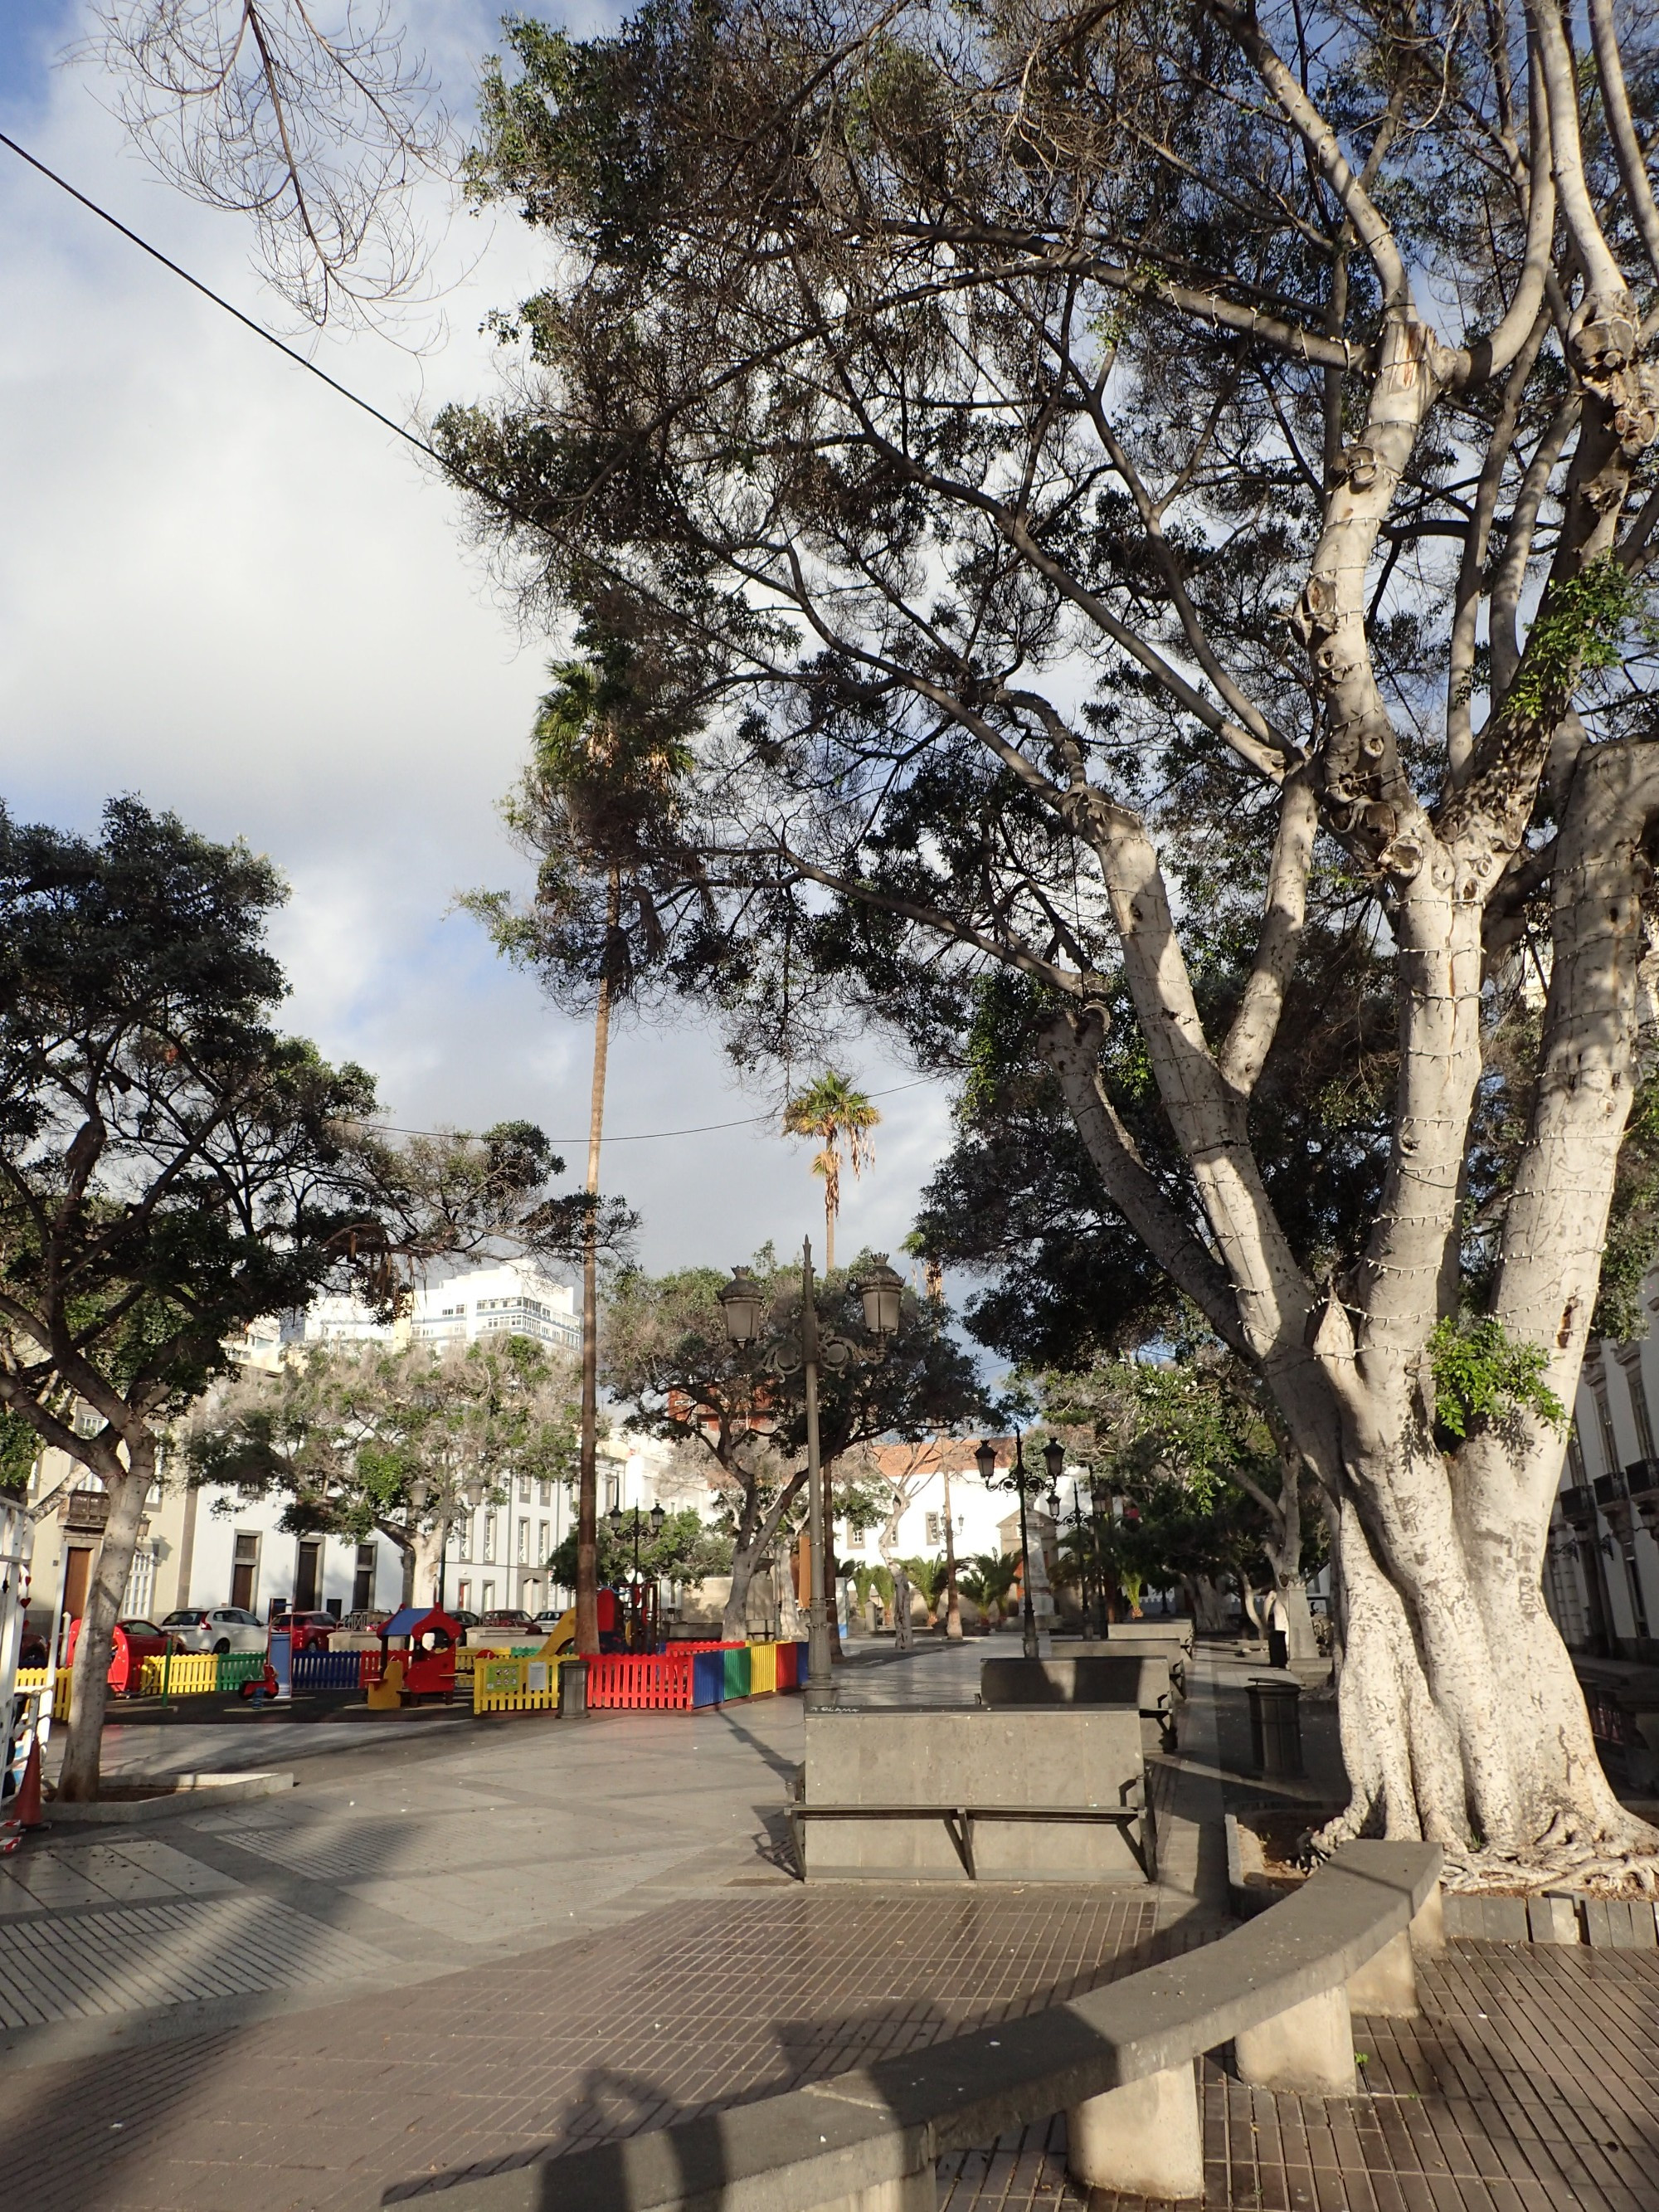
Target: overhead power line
640 1137
653 1136
208 293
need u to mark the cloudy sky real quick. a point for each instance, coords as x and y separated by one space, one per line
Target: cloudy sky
224 589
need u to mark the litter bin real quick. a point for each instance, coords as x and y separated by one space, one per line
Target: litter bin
572 1688
1276 1726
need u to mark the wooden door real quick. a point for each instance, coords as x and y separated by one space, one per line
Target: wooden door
77 1575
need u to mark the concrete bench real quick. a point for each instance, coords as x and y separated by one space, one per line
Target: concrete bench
975 1792
1140 1679
960 1823
1119 2062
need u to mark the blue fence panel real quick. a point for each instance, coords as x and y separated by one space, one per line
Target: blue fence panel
708 1677
326 1670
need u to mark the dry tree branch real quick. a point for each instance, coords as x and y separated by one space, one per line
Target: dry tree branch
319 136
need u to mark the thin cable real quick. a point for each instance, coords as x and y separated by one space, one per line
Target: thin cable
208 293
649 1136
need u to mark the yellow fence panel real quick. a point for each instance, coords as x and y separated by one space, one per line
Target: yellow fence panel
34 1677
190 1674
522 1685
763 1669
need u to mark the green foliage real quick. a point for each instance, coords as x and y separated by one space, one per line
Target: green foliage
988 1577
1577 631
344 1434
927 1579
685 1550
1482 1376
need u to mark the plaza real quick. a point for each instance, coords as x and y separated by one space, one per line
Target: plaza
437 1958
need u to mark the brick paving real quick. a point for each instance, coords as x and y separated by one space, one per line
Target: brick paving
701 2005
1530 2084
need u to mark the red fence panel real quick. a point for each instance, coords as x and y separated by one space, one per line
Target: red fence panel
625 1681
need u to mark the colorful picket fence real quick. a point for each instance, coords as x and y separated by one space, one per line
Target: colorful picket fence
519 1683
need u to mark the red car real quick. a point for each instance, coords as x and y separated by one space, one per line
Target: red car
132 1643
507 1621
310 1631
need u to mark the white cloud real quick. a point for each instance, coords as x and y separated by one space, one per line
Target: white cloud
223 589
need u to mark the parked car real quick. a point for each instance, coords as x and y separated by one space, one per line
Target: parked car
310 1631
32 1652
368 1620
220 1628
132 1643
507 1621
462 1618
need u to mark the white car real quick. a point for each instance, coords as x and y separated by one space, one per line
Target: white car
217 1628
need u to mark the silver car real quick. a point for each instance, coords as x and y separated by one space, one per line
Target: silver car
216 1628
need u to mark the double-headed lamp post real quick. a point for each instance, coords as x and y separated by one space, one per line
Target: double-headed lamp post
619 1522
1023 1479
881 1289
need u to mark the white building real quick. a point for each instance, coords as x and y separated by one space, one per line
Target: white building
1602 1576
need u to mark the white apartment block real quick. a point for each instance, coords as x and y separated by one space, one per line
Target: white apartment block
1601 1574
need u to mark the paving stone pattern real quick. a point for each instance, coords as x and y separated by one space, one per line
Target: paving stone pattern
1530 2084
703 2004
75 1966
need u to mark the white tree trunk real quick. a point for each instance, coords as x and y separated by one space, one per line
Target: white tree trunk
78 1781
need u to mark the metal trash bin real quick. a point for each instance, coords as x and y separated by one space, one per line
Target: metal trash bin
573 1689
1276 1726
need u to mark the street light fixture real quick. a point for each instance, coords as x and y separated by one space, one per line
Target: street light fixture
881 1291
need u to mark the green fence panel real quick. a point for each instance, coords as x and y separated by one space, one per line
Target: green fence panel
236 1668
737 1673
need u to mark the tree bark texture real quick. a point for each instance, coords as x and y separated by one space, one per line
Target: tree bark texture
78 1781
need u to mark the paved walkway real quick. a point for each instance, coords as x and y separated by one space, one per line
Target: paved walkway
453 1948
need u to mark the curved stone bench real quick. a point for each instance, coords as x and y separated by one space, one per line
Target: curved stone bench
1119 2063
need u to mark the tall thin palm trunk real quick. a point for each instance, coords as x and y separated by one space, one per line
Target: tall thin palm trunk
587 1481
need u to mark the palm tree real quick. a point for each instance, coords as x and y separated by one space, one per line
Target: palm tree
987 1579
830 1109
598 808
927 1578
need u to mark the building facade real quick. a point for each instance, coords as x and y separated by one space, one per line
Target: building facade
1601 1574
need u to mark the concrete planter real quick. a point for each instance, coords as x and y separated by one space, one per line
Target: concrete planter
164 1797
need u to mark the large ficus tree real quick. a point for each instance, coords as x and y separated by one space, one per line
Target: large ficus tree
1161 493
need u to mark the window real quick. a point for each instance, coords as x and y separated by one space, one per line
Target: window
541 1543
524 1543
524 1489
489 1597
244 1570
1604 1423
1576 1466
935 1528
362 1582
490 1536
464 1595
1632 1364
612 1490
546 1497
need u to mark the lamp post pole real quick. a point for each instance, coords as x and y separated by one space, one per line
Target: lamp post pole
1028 1626
952 1597
817 1616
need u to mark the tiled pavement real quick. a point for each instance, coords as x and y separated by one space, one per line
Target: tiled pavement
700 2005
1530 2084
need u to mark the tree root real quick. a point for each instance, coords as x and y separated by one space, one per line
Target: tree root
1603 1859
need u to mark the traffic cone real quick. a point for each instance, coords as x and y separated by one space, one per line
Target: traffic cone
27 1811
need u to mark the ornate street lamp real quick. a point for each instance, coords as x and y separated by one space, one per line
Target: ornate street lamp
1022 1480
881 1292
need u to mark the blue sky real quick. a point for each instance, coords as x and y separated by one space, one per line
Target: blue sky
224 589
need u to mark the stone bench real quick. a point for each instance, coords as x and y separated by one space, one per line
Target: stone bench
1119 2062
975 1792
1140 1679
